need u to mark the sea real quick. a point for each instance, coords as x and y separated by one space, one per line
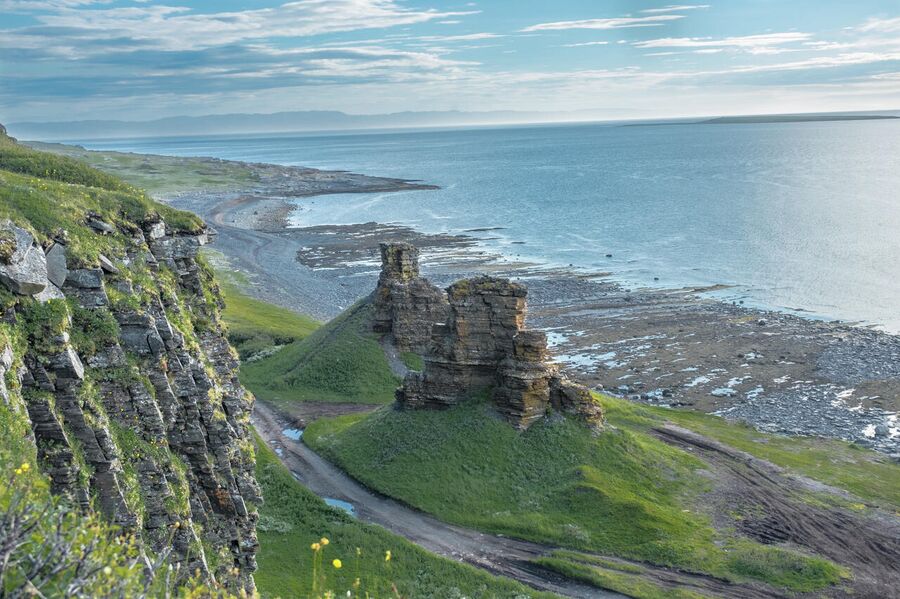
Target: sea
799 217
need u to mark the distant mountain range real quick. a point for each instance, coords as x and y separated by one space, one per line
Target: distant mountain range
330 120
280 122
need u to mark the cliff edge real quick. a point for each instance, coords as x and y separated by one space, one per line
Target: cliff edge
114 362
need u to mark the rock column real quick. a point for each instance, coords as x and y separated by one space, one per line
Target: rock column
406 304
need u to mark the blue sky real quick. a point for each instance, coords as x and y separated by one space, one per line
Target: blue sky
141 59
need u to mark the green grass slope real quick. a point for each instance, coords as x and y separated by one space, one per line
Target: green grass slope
160 174
870 476
623 492
340 362
255 326
51 193
293 518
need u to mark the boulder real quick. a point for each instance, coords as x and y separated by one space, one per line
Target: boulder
155 230
85 278
571 398
106 265
67 365
57 269
100 226
23 267
50 292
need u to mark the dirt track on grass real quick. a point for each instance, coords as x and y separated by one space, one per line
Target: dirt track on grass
773 511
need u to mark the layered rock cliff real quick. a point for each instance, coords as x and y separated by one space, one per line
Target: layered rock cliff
476 340
406 304
112 352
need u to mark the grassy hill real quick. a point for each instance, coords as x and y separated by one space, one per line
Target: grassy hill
293 518
624 493
53 193
340 362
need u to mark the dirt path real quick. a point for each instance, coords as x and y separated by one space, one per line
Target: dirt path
498 555
773 510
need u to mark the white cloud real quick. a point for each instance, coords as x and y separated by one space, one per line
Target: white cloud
745 41
882 25
45 5
585 44
822 62
178 28
457 38
616 23
162 58
675 8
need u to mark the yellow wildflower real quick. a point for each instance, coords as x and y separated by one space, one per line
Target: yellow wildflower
337 564
25 467
315 546
387 555
107 570
324 541
356 583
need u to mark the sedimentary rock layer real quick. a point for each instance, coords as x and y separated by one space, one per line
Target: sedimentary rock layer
483 344
132 393
406 304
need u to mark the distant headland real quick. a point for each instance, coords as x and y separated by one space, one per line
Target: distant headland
771 118
794 118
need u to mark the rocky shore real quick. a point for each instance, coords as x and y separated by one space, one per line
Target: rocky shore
676 347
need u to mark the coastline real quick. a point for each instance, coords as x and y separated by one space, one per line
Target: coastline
779 372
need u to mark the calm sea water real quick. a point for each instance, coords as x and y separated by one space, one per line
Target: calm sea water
802 216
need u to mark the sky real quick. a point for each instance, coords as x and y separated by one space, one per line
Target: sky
140 59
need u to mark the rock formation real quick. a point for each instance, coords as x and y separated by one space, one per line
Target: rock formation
131 390
23 266
406 304
483 344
